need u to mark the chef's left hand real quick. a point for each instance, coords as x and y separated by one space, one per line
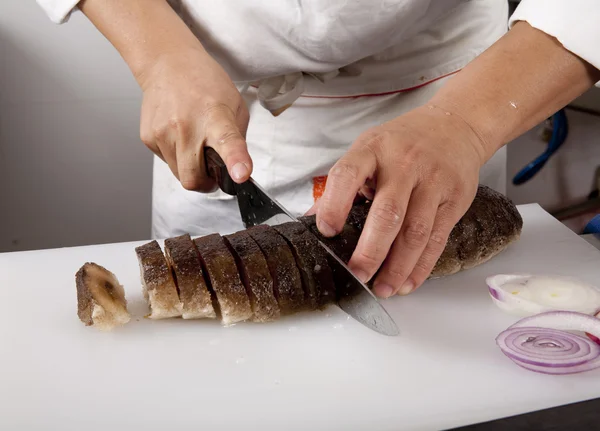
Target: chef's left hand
424 168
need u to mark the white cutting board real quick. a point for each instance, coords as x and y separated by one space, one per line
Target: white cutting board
316 371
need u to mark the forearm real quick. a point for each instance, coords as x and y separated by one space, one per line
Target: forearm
142 31
522 79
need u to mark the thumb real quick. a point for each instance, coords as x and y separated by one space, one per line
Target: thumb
223 135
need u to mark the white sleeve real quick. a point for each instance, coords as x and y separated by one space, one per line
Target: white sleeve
575 23
58 11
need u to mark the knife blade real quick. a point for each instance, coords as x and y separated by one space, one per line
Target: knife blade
258 207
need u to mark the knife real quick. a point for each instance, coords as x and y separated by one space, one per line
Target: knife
257 207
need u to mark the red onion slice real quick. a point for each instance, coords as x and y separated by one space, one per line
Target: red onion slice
527 295
542 344
562 320
593 338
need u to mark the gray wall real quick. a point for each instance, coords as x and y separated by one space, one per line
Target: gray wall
72 168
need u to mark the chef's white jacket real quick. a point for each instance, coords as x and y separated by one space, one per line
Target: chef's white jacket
344 66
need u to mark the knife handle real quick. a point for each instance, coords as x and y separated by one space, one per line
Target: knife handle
217 170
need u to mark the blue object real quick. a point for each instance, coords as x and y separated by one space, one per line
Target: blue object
593 226
560 129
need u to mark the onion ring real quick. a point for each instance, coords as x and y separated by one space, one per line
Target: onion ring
527 295
593 338
542 344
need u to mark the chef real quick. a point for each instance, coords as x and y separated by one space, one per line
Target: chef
407 102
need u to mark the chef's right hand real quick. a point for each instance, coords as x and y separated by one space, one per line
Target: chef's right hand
189 101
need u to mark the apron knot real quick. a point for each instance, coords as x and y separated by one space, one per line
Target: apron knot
278 93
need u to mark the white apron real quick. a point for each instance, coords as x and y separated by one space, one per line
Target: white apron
315 75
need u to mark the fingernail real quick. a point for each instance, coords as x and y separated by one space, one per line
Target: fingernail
361 275
325 229
406 288
239 171
384 290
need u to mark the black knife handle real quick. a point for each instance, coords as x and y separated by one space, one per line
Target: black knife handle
216 169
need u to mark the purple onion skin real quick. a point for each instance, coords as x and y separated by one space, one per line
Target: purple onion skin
494 293
594 339
591 337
